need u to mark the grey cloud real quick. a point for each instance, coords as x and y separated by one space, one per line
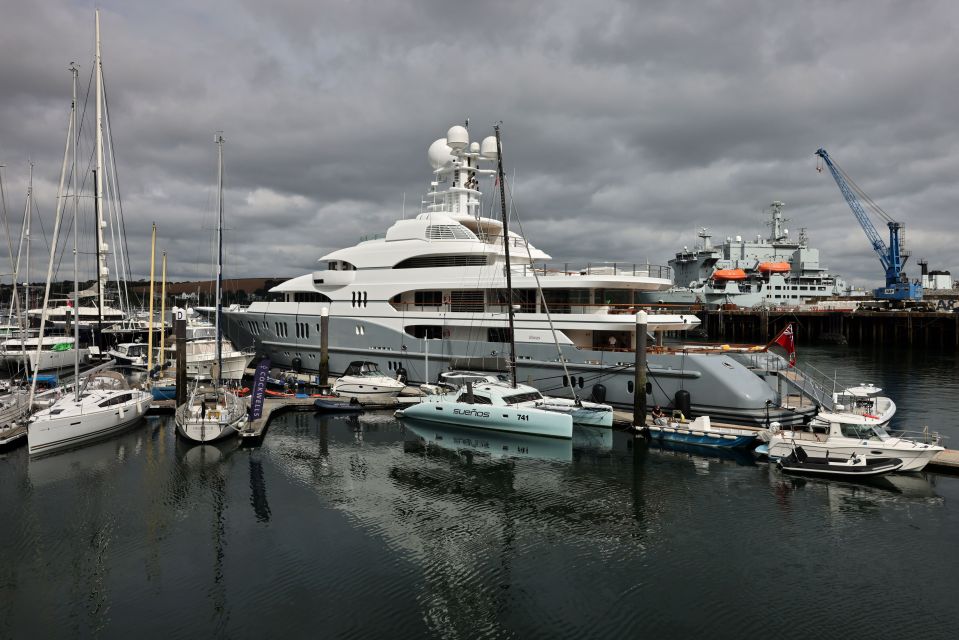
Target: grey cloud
628 125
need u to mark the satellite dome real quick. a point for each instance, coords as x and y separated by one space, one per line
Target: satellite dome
474 147
488 148
457 137
440 154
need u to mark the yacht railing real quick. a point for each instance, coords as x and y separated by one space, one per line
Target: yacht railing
925 436
597 269
526 307
809 382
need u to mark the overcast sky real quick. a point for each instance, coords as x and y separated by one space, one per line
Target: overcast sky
628 125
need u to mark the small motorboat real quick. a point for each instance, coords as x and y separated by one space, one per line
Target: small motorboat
855 466
331 405
701 433
364 382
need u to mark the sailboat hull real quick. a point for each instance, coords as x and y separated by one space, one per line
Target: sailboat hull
48 433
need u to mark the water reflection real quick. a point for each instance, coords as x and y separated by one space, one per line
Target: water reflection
699 455
867 495
484 443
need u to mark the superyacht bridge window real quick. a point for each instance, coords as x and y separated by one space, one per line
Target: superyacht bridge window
310 296
431 262
449 232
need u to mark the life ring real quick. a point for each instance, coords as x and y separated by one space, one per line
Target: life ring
446 299
446 333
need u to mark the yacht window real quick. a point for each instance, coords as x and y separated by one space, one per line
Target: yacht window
309 296
449 232
523 397
501 334
477 399
427 298
431 262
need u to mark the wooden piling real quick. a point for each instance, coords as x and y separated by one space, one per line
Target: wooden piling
639 376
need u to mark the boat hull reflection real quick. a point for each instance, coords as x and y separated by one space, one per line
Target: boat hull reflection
493 444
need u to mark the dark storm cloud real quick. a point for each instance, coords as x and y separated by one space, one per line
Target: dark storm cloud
627 125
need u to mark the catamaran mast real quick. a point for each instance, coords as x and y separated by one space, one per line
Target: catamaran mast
509 273
102 269
219 256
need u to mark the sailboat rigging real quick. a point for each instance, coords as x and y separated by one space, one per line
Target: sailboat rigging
103 403
208 416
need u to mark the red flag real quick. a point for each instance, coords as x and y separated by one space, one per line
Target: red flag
787 341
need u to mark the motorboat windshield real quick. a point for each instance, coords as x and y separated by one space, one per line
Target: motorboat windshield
363 370
864 431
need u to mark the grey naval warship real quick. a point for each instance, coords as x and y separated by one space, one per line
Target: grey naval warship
771 271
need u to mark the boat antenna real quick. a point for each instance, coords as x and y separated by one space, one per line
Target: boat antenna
509 275
219 256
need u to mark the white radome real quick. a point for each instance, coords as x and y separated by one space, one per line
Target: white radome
474 147
457 137
488 148
440 154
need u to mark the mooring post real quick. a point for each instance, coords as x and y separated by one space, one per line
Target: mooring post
639 376
324 346
179 331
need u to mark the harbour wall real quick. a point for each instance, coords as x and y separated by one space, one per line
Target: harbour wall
930 329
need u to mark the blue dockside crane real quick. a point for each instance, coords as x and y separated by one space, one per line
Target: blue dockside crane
893 258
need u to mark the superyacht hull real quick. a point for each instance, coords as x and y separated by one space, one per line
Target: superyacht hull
718 385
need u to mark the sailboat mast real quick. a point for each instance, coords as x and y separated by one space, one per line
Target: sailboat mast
219 257
509 271
76 223
101 258
153 250
28 216
61 198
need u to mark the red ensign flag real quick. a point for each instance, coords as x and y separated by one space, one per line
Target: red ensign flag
787 342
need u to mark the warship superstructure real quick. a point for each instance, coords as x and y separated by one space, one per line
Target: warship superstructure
772 271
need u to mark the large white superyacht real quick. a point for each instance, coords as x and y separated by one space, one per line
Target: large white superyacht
430 294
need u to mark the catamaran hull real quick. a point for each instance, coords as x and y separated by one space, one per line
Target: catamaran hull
56 434
494 418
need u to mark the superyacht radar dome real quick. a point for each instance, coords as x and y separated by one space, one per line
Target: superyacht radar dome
488 148
458 137
440 154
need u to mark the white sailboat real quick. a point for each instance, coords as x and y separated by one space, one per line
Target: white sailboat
211 415
103 403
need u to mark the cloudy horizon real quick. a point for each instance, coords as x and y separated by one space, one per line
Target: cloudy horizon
627 126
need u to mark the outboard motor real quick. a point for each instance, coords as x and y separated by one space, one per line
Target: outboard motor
401 375
599 392
682 402
296 363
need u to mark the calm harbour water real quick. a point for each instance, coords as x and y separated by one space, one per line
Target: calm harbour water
363 527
